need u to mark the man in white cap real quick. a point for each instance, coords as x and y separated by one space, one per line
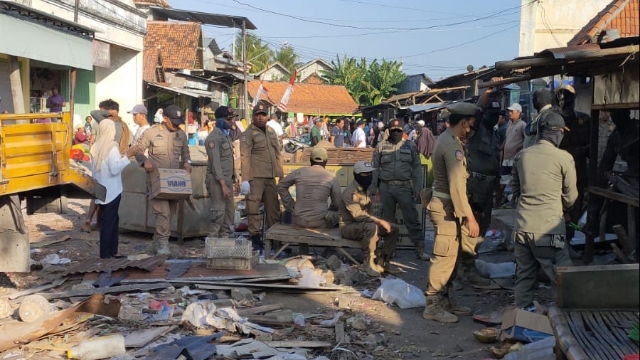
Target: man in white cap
139 113
513 143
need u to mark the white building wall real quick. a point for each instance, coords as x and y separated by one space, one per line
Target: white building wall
315 67
121 82
548 24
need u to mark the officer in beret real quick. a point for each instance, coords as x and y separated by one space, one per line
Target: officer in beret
450 212
397 174
541 173
220 178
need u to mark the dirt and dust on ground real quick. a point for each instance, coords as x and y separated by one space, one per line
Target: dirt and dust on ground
289 316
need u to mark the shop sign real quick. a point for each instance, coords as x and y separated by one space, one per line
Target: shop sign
101 54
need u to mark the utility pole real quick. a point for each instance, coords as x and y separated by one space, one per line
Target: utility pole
16 87
75 11
244 70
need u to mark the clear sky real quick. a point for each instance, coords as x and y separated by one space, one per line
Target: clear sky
438 38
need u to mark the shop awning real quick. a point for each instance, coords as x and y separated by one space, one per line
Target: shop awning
30 39
426 107
181 91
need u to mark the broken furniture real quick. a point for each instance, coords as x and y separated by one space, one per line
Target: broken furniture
288 234
596 308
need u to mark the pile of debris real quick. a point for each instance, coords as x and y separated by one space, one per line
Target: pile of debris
155 308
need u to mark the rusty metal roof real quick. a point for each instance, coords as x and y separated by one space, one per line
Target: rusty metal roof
99 265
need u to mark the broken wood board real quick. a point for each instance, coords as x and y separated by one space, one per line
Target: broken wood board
50 242
273 287
140 338
599 287
109 290
298 344
259 309
200 272
103 265
56 282
15 332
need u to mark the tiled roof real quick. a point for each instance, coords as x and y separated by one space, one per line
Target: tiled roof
179 43
161 3
619 14
312 99
151 60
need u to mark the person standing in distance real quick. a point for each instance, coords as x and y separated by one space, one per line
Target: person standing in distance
261 164
450 213
168 148
220 178
544 184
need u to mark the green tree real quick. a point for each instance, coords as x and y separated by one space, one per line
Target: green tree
368 83
287 56
258 52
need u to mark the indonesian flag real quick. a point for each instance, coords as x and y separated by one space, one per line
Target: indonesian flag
262 90
287 93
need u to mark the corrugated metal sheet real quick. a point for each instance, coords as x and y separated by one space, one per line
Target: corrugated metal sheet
99 265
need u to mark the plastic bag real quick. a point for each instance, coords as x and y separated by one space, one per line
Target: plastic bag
310 279
397 291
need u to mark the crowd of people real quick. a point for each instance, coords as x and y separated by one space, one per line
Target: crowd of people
482 151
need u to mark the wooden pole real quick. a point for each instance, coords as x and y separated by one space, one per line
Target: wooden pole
72 92
244 70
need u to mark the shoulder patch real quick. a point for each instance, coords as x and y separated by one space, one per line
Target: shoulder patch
459 155
243 138
211 144
518 156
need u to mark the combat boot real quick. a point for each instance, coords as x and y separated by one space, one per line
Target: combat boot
451 305
384 263
469 275
420 253
369 265
435 310
161 246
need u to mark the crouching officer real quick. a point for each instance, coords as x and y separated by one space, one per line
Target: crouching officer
357 223
396 174
220 178
450 213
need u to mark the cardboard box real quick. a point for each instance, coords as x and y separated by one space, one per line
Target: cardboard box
522 325
170 184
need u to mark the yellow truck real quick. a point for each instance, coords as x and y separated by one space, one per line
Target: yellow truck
35 167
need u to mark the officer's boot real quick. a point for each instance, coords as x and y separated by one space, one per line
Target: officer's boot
384 262
161 246
256 242
469 275
420 253
369 266
452 305
435 310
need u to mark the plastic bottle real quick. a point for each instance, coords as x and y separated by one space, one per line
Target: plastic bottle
98 348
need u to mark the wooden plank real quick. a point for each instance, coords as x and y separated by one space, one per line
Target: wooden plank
599 287
603 337
340 336
564 337
109 290
298 344
50 242
259 309
211 285
294 234
38 289
631 225
619 254
587 343
608 194
627 244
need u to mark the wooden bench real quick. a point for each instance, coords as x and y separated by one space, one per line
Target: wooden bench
288 234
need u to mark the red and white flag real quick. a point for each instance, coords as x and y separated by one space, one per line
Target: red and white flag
287 93
262 90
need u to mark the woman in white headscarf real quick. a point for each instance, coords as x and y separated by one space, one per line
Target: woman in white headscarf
157 118
107 164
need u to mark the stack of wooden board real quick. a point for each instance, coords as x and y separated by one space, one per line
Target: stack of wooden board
342 155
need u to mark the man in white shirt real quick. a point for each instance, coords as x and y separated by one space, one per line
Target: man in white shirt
359 138
275 125
139 113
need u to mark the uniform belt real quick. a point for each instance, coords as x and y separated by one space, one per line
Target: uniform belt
396 182
441 195
482 177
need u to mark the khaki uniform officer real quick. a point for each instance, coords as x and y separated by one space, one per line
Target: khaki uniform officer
450 213
168 148
397 175
357 223
261 164
544 182
220 176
